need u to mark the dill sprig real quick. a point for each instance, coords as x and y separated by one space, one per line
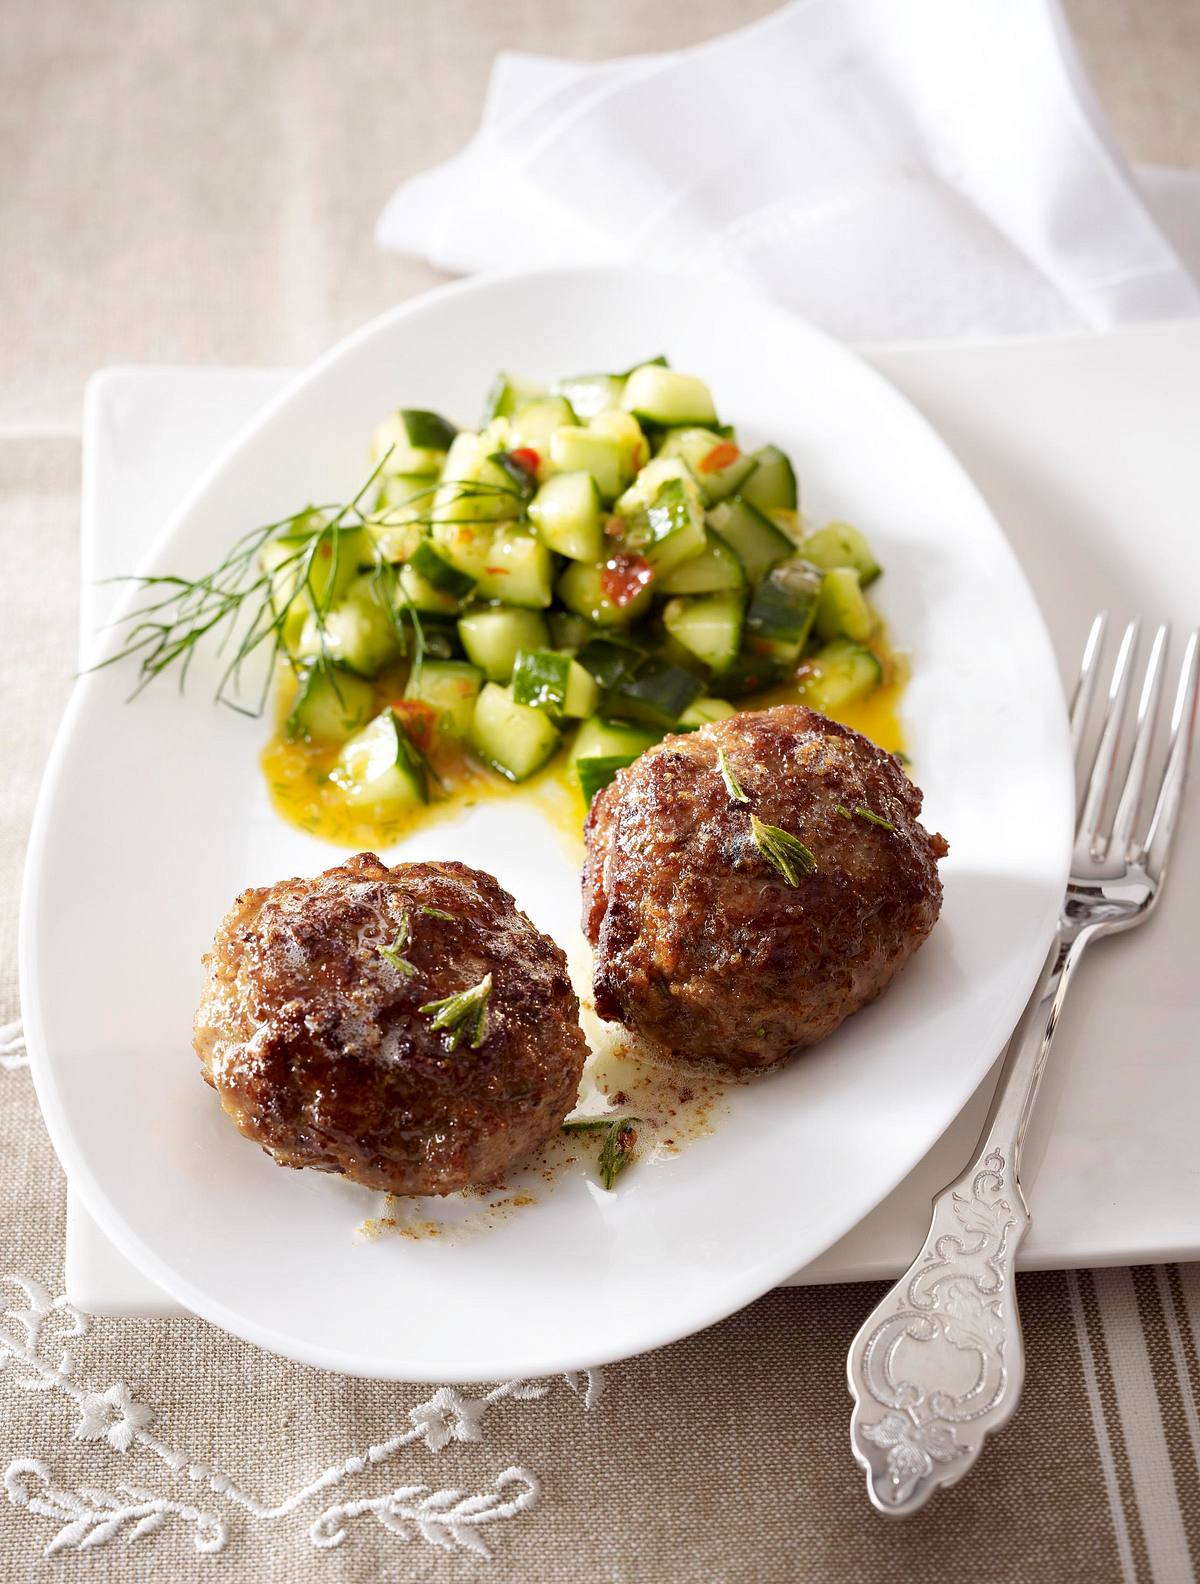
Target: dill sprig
463 1015
250 606
782 850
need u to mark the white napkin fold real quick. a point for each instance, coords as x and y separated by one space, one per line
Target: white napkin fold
936 168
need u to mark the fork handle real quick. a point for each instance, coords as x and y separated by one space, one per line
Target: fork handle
939 1363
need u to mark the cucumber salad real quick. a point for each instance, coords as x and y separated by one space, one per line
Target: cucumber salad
597 564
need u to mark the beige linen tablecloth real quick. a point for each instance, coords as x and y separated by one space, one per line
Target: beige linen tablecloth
197 182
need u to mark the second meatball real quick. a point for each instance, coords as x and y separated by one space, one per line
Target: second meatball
717 938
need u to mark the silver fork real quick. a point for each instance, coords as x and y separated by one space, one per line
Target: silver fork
939 1363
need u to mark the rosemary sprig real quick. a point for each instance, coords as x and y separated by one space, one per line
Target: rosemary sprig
782 850
867 814
437 913
620 1137
727 775
872 818
463 1015
394 953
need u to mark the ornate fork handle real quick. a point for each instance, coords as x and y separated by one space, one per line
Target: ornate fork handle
939 1363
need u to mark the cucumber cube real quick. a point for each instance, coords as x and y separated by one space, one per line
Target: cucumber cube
714 569
773 484
703 711
782 610
450 687
413 441
380 768
493 636
331 704
566 513
579 450
658 692
661 396
842 609
513 738
598 738
709 626
359 630
544 679
517 569
534 422
838 674
839 544
756 541
610 595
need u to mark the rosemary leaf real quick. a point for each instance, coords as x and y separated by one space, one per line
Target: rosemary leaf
841 809
432 912
731 785
394 953
873 818
463 1015
782 850
617 1150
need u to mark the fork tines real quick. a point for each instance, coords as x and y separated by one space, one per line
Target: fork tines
1126 840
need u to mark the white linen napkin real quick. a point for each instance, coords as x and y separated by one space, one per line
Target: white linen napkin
928 169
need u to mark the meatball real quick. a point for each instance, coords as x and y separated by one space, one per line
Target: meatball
319 1031
702 944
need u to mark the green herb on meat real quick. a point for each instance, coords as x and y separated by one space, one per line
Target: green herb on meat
727 775
394 953
463 1015
782 850
873 818
616 1152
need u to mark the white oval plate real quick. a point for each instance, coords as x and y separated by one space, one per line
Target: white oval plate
153 816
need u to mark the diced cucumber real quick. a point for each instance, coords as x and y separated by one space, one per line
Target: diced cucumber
331 704
756 541
359 630
304 574
650 480
624 429
579 450
657 692
667 532
545 679
717 465
518 569
566 513
703 711
582 589
772 487
842 610
402 498
598 738
610 659
839 673
438 636
662 396
782 610
442 574
511 737
507 393
474 489
380 767
533 423
451 687
568 631
590 394
421 595
493 636
418 441
715 568
750 672
594 775
708 625
839 544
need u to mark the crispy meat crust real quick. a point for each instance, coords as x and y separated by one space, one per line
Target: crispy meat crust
317 1049
700 944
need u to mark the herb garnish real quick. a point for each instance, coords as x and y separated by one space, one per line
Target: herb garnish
432 912
873 818
254 605
395 952
731 785
463 1015
844 811
620 1137
782 850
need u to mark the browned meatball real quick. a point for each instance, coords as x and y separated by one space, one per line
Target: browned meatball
702 945
311 1031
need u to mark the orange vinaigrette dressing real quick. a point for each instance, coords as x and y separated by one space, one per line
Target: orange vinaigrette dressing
297 773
